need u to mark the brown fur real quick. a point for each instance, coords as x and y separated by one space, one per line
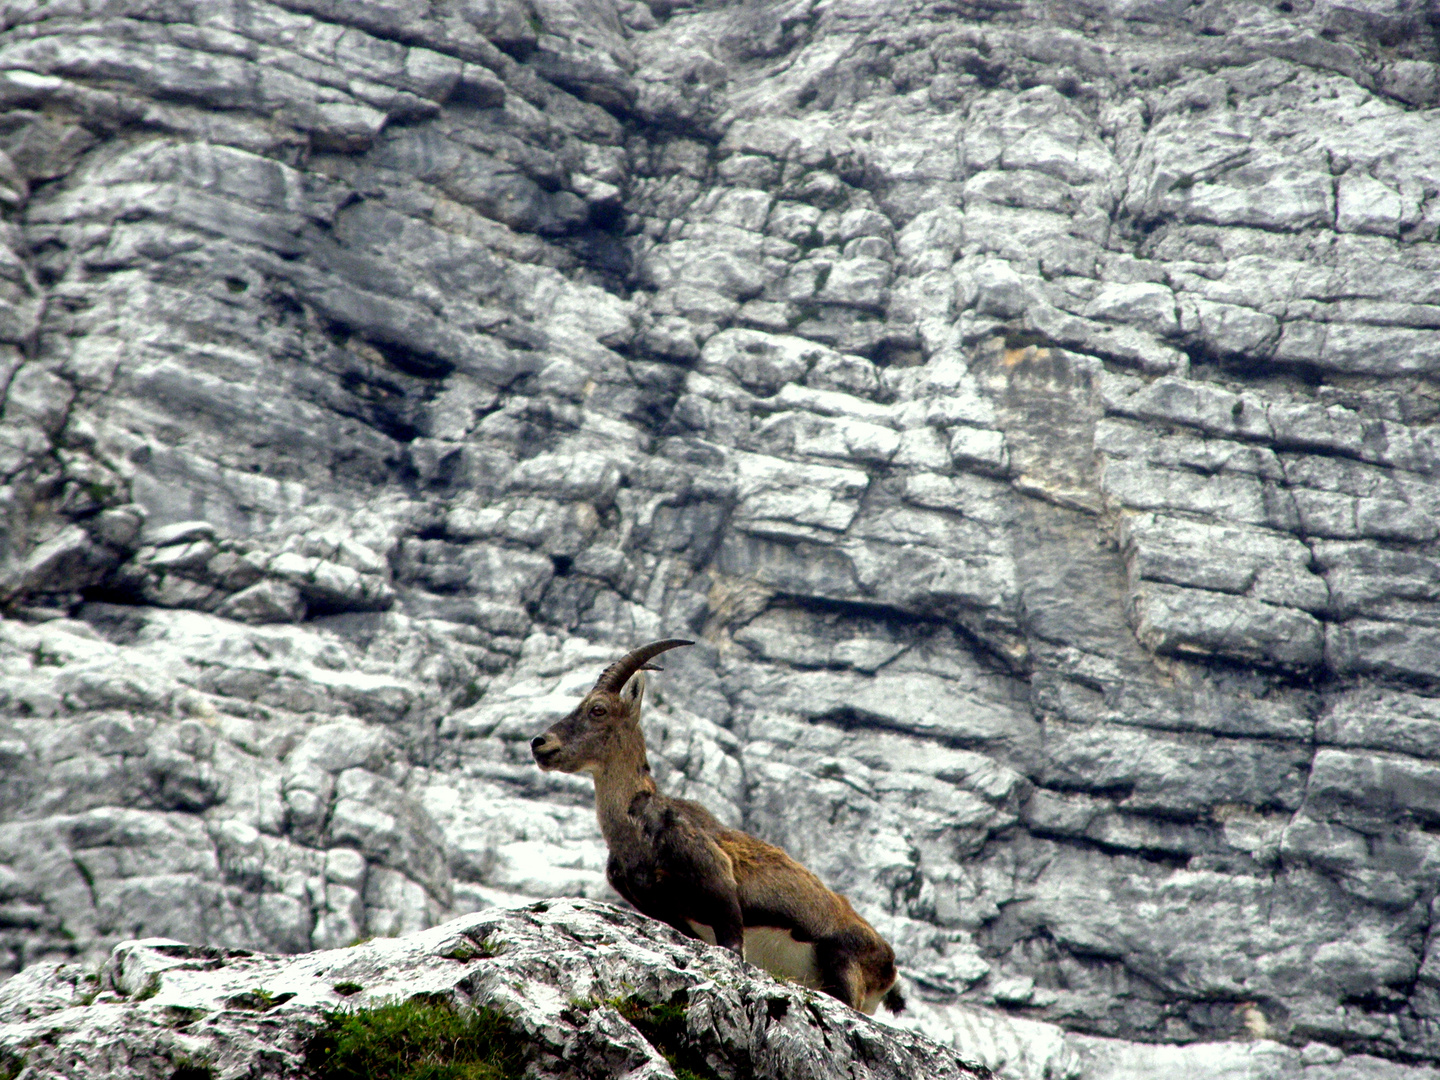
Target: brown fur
675 862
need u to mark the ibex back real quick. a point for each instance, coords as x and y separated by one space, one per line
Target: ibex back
675 862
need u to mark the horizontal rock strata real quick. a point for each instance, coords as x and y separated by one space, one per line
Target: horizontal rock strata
1029 406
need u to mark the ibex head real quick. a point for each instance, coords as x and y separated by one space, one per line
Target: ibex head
590 735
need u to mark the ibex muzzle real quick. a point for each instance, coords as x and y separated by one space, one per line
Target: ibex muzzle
675 862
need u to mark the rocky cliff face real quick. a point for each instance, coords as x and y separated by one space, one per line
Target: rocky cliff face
1031 406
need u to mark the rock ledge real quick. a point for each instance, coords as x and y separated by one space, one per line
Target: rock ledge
159 1006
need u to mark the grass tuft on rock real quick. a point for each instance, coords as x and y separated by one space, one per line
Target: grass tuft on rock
663 1027
416 1040
188 1068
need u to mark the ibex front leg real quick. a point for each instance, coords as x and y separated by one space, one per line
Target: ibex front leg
700 878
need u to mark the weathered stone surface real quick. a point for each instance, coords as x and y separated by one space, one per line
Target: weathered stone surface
555 970
1030 410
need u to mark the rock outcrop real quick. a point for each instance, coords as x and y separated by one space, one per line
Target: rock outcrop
1031 406
569 978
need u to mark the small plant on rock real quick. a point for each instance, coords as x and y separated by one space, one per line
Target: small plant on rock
420 1039
258 999
663 1027
468 950
190 1068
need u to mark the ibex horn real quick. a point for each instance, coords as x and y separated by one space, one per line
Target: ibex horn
617 674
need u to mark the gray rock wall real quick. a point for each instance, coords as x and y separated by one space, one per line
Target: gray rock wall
1029 406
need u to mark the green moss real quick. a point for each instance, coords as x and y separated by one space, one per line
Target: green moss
802 313
1023 339
190 1068
664 1028
469 694
260 1000
469 950
416 1040
666 1019
182 1015
87 995
345 989
11 1065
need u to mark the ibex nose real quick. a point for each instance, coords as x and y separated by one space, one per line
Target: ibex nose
544 748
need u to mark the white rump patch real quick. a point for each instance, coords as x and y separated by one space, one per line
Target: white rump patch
776 951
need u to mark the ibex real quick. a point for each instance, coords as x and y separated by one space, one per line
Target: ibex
675 862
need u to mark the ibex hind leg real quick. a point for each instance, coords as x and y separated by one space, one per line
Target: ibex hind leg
840 974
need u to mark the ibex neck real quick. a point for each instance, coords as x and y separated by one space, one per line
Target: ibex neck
623 775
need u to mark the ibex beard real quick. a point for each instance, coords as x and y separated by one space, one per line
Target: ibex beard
675 862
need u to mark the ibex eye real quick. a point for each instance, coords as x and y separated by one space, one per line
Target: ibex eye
597 710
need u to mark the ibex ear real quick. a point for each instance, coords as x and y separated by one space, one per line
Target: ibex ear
631 694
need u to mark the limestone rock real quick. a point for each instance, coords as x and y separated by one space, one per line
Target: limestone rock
1028 409
560 972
